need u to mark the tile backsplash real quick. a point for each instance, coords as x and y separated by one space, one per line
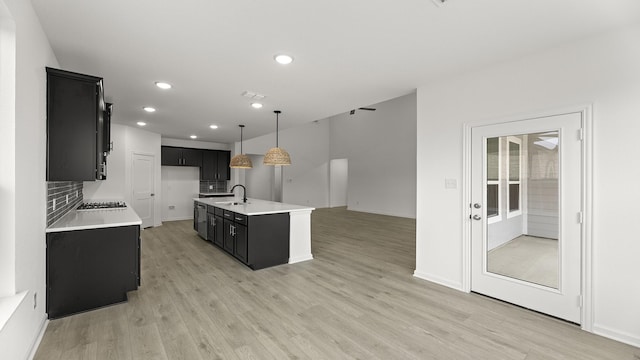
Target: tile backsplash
66 194
217 186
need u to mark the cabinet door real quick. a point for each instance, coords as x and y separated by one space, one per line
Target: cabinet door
192 157
223 173
219 237
211 227
229 230
72 105
87 269
240 251
171 156
209 165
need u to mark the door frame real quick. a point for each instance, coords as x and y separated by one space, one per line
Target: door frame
155 190
586 255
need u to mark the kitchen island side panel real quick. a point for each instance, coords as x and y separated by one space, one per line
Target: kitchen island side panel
268 242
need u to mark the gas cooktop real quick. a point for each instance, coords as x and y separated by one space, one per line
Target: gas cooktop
102 205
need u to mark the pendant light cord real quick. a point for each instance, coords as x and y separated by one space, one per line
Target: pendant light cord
277 122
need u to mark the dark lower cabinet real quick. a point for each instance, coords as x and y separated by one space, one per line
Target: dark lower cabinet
88 269
228 236
219 228
258 241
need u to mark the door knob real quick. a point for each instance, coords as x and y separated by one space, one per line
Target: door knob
476 217
152 194
477 206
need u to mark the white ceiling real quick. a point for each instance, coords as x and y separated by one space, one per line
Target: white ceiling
348 53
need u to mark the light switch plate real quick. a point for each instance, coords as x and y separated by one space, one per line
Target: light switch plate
450 183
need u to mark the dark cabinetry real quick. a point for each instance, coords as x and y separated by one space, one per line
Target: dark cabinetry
177 156
258 241
75 127
88 269
215 165
219 227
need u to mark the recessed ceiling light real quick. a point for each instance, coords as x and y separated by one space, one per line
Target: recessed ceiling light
141 123
256 105
149 109
213 126
283 59
193 137
163 85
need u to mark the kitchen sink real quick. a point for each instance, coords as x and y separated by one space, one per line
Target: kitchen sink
231 203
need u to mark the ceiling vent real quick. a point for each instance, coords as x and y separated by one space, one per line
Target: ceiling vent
253 96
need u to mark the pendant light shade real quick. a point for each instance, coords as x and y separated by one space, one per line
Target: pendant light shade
240 161
276 155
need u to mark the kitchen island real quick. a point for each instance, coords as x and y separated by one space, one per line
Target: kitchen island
93 260
258 233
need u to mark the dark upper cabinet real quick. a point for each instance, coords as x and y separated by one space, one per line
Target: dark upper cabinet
215 165
177 156
171 156
106 134
223 165
75 110
192 157
209 165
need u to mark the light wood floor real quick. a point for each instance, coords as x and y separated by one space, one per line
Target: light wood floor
356 300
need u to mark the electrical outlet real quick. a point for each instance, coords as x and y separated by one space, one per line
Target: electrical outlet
210 187
35 300
54 204
77 193
66 199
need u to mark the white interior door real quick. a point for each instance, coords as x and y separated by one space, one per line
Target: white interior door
144 188
526 213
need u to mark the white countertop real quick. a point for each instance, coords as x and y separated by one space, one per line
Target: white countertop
93 219
253 206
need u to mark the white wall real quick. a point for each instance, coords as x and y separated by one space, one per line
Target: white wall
259 179
180 184
33 53
381 148
338 182
306 180
603 71
127 140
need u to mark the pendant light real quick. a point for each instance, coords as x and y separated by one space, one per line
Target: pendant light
240 161
276 155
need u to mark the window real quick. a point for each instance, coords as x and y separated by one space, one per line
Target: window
493 192
514 171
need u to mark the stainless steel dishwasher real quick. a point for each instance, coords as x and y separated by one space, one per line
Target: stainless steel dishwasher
201 220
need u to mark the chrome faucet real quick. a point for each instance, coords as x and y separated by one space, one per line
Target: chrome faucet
244 192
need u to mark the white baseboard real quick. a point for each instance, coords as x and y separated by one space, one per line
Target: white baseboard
438 280
300 259
38 339
179 218
623 337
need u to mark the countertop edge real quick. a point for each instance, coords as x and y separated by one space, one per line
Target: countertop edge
244 211
88 227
